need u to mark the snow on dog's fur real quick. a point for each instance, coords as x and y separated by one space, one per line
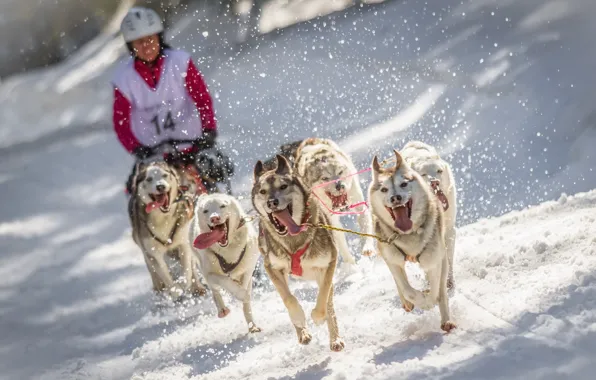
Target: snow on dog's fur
288 248
406 210
227 249
424 159
160 226
321 160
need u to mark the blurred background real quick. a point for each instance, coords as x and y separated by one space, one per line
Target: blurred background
505 89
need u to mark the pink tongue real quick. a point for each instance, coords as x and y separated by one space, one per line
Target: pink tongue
285 218
207 239
161 200
402 221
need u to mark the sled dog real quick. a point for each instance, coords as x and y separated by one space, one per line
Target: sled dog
289 247
227 249
410 219
424 159
159 214
321 160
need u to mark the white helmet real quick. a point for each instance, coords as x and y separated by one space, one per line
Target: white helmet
140 22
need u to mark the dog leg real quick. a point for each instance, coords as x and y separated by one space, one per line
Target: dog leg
252 327
222 310
158 285
364 220
197 287
295 311
228 284
446 324
341 242
160 268
319 313
335 342
186 262
410 294
450 242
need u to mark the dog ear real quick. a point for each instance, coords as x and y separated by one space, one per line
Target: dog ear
376 168
283 166
398 159
259 169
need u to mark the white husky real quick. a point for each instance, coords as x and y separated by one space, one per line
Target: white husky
227 249
321 160
426 161
411 220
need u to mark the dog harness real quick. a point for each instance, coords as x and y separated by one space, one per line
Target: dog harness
223 264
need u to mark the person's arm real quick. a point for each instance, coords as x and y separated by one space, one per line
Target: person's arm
200 95
121 119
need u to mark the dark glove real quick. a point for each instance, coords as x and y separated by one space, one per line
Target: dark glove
142 152
207 140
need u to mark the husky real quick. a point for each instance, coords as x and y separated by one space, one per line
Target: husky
227 249
411 221
160 215
424 159
289 247
320 161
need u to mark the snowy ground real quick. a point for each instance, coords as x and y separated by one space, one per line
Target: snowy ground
503 88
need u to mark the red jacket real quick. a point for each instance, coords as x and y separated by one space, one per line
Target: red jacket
194 84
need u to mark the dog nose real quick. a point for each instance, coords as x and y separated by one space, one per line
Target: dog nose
395 199
339 185
161 188
272 203
215 219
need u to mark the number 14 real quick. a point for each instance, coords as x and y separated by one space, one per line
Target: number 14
168 123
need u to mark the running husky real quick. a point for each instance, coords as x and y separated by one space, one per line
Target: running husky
426 161
226 246
159 214
289 247
319 161
411 220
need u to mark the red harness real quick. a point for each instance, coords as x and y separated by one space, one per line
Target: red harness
296 268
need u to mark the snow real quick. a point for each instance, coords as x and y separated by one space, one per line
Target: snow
501 87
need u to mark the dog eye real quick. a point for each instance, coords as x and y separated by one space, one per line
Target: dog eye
340 173
223 206
325 178
384 189
205 211
149 179
283 187
440 171
403 184
263 192
424 175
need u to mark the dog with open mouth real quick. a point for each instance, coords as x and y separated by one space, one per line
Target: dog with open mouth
425 159
291 245
160 214
227 249
320 161
411 221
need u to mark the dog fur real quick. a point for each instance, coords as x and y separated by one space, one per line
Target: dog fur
406 210
321 160
284 207
227 263
161 231
424 159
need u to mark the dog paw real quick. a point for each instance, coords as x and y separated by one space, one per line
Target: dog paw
252 328
304 337
175 292
318 316
448 326
223 312
337 345
407 306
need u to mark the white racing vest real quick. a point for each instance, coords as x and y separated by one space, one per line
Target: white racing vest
166 112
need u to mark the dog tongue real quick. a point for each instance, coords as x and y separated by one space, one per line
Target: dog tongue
207 239
402 221
285 218
159 202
